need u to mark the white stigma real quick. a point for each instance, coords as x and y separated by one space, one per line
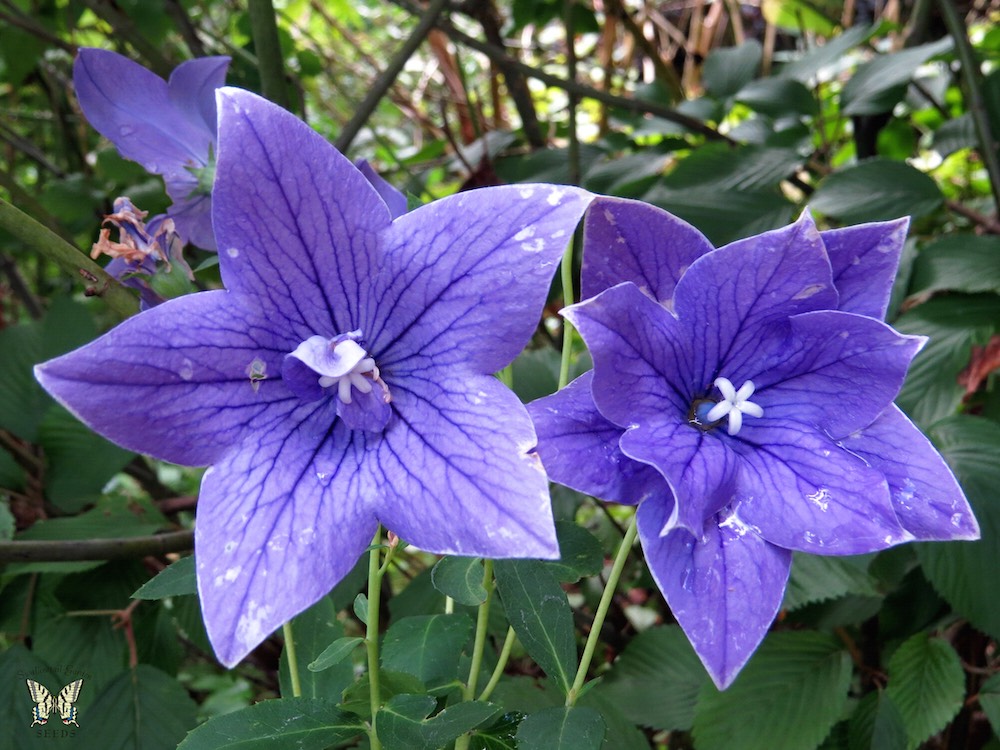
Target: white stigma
734 404
354 378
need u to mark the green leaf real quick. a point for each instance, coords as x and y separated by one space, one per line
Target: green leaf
22 401
501 735
959 263
17 664
581 553
7 522
537 609
177 579
357 696
823 55
927 685
880 83
656 680
797 681
989 699
303 723
964 573
335 653
313 630
777 97
724 215
142 707
955 135
931 391
461 578
877 724
744 168
561 728
361 608
876 190
729 69
401 723
428 646
816 579
797 16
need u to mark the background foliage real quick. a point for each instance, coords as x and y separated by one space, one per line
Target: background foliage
733 115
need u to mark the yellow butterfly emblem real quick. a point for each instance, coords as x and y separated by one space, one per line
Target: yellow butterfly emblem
63 703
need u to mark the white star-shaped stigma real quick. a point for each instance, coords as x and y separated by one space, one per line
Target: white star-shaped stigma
735 404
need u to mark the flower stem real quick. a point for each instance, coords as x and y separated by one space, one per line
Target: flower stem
469 692
566 278
508 644
371 633
293 664
602 612
68 258
270 64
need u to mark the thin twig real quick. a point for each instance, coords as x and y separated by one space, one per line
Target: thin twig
75 550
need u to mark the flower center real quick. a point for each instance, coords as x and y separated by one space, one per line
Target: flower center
706 414
340 366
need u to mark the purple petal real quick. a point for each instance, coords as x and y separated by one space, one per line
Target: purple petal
800 490
579 448
296 224
724 589
699 467
731 299
192 88
131 107
174 381
192 215
641 356
476 262
455 471
627 240
839 371
929 502
281 520
395 200
864 260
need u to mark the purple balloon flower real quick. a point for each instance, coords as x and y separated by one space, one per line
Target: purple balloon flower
342 379
743 398
166 126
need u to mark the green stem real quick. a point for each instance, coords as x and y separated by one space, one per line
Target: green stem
68 258
976 103
566 278
602 612
270 63
508 644
293 664
371 632
469 692
388 76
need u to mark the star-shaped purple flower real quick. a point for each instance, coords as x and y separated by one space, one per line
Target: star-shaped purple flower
342 379
166 126
742 396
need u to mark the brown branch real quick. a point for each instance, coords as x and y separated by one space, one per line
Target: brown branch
75 550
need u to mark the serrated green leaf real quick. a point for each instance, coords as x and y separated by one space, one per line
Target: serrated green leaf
335 653
561 728
797 681
821 56
876 190
880 83
989 699
931 391
580 553
303 723
777 97
17 664
817 579
461 578
7 522
357 697
427 646
501 735
141 707
537 609
22 401
401 723
964 573
959 263
877 724
313 630
177 579
656 680
955 135
927 685
729 69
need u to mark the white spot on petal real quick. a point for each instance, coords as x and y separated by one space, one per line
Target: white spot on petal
250 628
820 498
233 573
558 233
809 291
526 192
555 197
187 370
526 233
535 246
232 252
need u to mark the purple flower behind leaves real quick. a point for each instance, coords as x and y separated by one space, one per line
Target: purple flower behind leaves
743 398
342 379
166 126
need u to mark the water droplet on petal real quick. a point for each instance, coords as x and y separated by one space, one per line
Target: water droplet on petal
187 370
125 131
232 252
956 520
